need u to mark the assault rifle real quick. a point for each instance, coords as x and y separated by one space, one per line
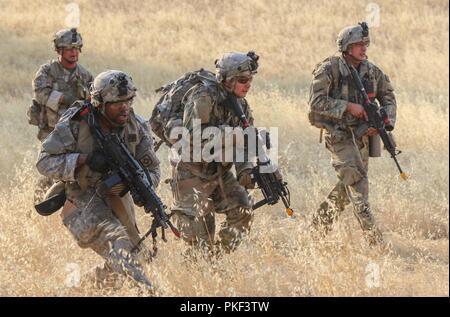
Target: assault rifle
125 169
378 120
270 183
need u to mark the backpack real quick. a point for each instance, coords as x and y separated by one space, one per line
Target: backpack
168 111
315 119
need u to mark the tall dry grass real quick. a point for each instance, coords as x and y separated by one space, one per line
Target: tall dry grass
155 42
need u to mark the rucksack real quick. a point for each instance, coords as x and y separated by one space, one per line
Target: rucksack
168 111
315 119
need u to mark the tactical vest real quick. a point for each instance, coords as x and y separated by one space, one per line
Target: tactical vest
85 144
70 83
343 87
168 111
220 115
65 83
122 207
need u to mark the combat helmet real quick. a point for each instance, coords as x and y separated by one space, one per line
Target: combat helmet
352 34
234 63
112 86
67 38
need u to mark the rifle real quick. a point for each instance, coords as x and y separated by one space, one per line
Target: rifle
378 120
272 186
125 169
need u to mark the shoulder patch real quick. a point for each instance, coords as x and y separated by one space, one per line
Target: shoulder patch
146 161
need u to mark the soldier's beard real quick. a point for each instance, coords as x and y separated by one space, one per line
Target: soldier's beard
112 122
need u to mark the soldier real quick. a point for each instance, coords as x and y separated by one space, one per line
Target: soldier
201 189
105 224
56 86
335 105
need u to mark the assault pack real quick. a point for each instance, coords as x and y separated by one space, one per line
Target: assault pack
316 119
168 111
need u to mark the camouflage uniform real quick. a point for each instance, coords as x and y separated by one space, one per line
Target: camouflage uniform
349 149
107 224
202 189
51 82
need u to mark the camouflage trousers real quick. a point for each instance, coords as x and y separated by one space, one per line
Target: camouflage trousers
197 200
94 225
350 158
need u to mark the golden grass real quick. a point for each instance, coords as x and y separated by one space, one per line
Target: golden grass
155 42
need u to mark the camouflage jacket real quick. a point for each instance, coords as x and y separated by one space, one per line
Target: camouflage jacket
71 137
329 95
52 81
206 102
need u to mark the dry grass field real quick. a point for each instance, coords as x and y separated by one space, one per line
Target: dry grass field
156 41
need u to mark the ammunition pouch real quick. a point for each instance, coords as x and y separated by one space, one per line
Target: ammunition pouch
36 114
361 130
374 140
374 146
320 121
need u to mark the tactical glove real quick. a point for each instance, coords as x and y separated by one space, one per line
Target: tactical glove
97 161
137 199
245 179
278 174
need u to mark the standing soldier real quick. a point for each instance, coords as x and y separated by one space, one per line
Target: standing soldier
105 223
201 189
56 86
336 106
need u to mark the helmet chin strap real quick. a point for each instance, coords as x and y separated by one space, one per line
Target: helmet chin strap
233 86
